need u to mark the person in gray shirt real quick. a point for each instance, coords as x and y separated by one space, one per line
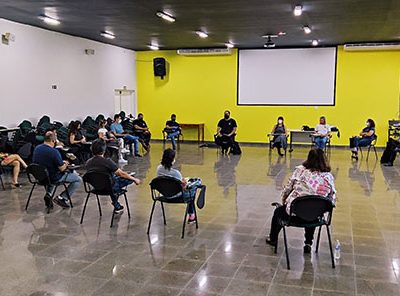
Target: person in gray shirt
165 169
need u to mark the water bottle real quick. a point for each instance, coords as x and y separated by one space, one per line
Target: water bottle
337 250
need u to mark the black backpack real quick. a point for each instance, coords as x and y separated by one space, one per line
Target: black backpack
235 149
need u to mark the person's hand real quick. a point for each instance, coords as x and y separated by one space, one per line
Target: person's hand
136 181
66 162
83 141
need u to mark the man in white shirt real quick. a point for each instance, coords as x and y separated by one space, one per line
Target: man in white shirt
322 133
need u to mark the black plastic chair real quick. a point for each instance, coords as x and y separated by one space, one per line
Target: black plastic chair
372 145
101 184
163 190
308 211
38 175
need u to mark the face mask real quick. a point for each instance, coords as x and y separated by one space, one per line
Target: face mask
226 116
367 124
280 121
173 119
119 121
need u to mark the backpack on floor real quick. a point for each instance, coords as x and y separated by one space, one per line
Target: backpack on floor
235 149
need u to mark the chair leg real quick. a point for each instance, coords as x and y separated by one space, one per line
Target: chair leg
286 248
376 154
151 216
30 195
2 184
184 221
68 196
127 206
197 218
163 213
84 207
318 238
276 247
330 246
369 149
112 219
98 205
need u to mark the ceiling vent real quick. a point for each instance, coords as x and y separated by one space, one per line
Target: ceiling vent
204 51
372 46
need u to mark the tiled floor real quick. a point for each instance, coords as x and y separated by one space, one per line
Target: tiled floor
52 254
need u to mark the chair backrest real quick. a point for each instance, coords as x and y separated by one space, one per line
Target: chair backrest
166 186
38 174
44 119
374 140
101 183
311 208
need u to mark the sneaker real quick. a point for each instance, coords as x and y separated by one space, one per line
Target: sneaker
270 242
70 156
16 186
119 209
125 151
307 249
121 160
48 201
61 202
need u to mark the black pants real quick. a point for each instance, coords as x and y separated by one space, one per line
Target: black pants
281 214
144 138
225 142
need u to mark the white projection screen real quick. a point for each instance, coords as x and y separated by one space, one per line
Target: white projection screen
300 76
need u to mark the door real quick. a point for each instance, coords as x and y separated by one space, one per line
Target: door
125 100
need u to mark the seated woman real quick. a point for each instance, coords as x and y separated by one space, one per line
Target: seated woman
322 133
313 177
165 169
365 139
112 141
280 133
77 141
15 161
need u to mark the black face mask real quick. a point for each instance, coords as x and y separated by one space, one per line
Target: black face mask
173 119
226 116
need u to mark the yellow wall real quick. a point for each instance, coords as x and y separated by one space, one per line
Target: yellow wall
199 89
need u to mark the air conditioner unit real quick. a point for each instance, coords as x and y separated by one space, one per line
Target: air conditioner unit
204 51
372 46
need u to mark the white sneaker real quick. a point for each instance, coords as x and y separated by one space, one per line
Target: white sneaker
125 151
121 160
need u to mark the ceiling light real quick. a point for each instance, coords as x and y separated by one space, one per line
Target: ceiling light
50 21
202 34
107 35
314 42
281 33
154 47
229 45
165 16
307 29
298 10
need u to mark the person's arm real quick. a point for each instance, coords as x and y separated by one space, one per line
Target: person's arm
219 131
125 175
367 134
289 186
273 129
115 133
72 140
63 167
232 132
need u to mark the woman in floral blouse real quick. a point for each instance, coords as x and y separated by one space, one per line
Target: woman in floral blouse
313 177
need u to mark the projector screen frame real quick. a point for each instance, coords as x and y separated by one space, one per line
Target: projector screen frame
277 105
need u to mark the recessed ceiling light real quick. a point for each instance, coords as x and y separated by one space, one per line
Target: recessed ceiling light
307 29
281 33
50 21
202 34
154 47
229 45
314 42
298 10
165 16
107 35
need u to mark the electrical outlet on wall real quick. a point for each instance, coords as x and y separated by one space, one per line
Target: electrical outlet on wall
54 86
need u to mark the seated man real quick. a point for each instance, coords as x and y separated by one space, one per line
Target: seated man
226 132
49 157
173 130
322 133
118 131
141 130
98 163
390 152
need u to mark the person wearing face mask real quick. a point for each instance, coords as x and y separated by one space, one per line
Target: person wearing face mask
280 134
173 130
322 133
118 131
77 141
365 139
142 131
226 132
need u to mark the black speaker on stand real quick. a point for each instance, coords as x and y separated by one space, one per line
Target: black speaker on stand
160 67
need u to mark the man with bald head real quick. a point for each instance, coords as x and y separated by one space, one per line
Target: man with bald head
49 157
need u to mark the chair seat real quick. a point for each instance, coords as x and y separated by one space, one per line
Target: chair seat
101 192
297 222
178 199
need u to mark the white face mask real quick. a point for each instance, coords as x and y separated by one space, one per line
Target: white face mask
280 121
367 124
119 121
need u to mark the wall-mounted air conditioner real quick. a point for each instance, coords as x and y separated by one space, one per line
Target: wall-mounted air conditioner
372 46
204 51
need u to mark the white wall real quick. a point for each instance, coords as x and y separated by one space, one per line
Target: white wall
40 58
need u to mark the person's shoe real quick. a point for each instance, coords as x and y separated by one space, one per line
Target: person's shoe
16 186
48 201
61 202
125 151
307 249
389 164
270 242
280 152
70 156
121 160
119 209
355 156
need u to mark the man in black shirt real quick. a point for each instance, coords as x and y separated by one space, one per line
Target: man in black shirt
99 164
173 130
226 132
141 130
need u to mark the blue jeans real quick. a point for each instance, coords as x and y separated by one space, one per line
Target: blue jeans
74 182
281 140
189 193
129 139
362 142
119 184
320 142
173 136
